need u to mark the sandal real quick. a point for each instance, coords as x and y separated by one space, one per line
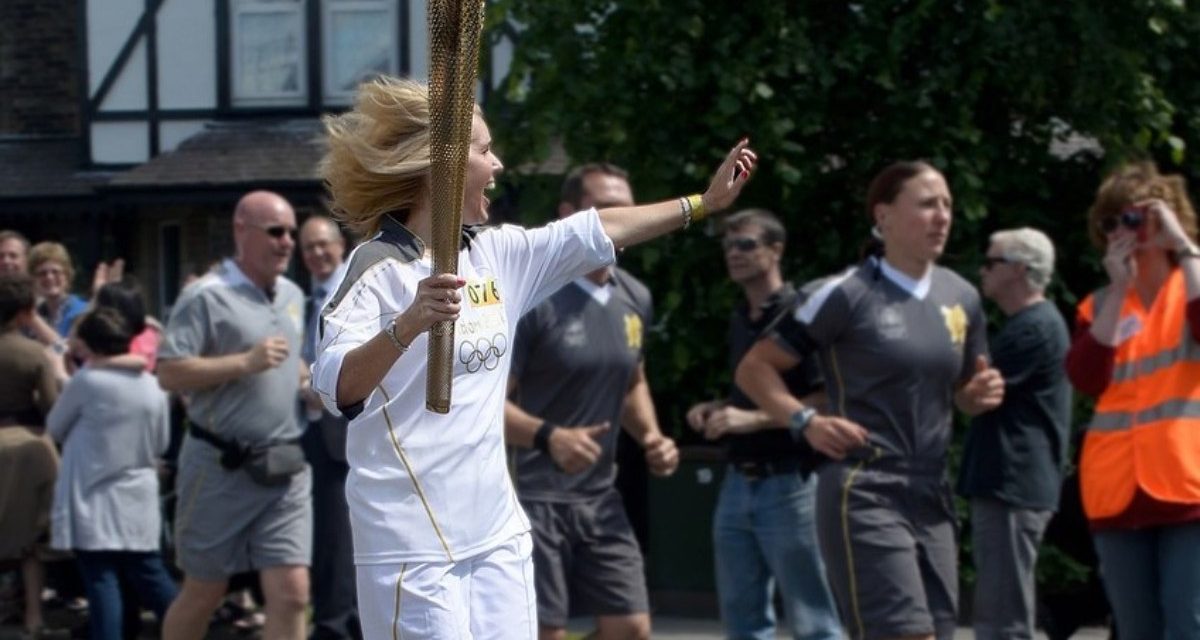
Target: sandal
239 617
251 622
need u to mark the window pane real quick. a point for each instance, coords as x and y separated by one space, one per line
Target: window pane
268 51
361 43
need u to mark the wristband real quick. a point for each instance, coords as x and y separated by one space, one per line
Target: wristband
699 212
541 439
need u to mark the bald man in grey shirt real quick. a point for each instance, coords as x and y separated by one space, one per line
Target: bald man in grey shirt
232 346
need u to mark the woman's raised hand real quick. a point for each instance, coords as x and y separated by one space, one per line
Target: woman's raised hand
730 177
1118 259
1171 235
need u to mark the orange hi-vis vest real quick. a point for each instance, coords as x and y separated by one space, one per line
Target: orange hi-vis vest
1146 429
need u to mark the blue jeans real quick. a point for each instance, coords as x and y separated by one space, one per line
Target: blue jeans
100 571
764 531
1152 577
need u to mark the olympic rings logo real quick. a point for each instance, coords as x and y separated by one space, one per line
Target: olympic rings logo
483 353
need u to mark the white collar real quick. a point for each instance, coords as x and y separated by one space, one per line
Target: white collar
330 283
234 276
601 293
916 288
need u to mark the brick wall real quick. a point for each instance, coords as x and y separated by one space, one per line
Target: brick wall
39 66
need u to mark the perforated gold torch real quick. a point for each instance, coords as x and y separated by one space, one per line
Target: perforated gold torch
454 32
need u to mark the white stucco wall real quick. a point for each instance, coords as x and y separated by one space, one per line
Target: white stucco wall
120 142
172 132
109 23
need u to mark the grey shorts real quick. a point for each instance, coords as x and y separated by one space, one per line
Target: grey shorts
889 540
585 560
225 523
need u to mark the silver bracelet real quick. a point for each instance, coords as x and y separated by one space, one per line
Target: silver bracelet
391 334
685 209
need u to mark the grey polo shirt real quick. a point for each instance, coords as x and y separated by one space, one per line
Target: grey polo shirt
573 359
224 313
893 351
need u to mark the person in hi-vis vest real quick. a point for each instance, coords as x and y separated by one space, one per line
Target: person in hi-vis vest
1135 350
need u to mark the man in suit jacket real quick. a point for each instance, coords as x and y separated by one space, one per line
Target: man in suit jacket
335 614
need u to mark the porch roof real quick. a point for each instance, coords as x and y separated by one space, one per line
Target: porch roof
33 167
234 154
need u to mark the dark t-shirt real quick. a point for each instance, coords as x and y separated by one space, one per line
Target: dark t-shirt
1016 452
768 445
892 358
574 359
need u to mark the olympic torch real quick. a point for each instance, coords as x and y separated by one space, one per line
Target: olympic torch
454 32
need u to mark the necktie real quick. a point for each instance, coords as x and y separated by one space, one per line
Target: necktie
309 350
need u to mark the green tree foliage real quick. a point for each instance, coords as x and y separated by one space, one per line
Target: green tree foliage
829 93
996 94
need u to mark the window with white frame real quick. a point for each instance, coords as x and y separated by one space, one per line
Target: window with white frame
359 43
268 53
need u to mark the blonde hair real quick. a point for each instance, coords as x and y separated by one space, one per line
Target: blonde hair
44 252
1133 183
378 157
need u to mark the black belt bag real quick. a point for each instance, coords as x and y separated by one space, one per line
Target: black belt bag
270 465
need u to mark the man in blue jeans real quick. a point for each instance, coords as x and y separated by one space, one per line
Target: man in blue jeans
764 528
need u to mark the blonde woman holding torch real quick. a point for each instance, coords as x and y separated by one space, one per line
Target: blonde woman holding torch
441 544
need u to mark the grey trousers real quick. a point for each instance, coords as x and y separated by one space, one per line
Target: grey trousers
1006 540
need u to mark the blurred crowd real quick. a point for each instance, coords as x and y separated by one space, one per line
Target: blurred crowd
121 436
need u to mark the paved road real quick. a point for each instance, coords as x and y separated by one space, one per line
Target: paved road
671 628
665 628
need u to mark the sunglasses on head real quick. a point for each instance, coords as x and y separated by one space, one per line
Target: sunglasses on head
1131 219
743 244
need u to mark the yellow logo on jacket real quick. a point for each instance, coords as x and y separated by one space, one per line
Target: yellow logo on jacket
633 330
956 323
294 312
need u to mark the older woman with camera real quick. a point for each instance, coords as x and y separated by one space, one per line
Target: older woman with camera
1136 350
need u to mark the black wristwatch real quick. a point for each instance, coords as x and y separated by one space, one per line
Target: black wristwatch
800 421
541 438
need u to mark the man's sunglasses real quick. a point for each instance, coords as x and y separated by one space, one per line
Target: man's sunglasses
277 231
991 261
743 244
1131 219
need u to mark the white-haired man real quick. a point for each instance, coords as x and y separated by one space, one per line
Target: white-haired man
1013 459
